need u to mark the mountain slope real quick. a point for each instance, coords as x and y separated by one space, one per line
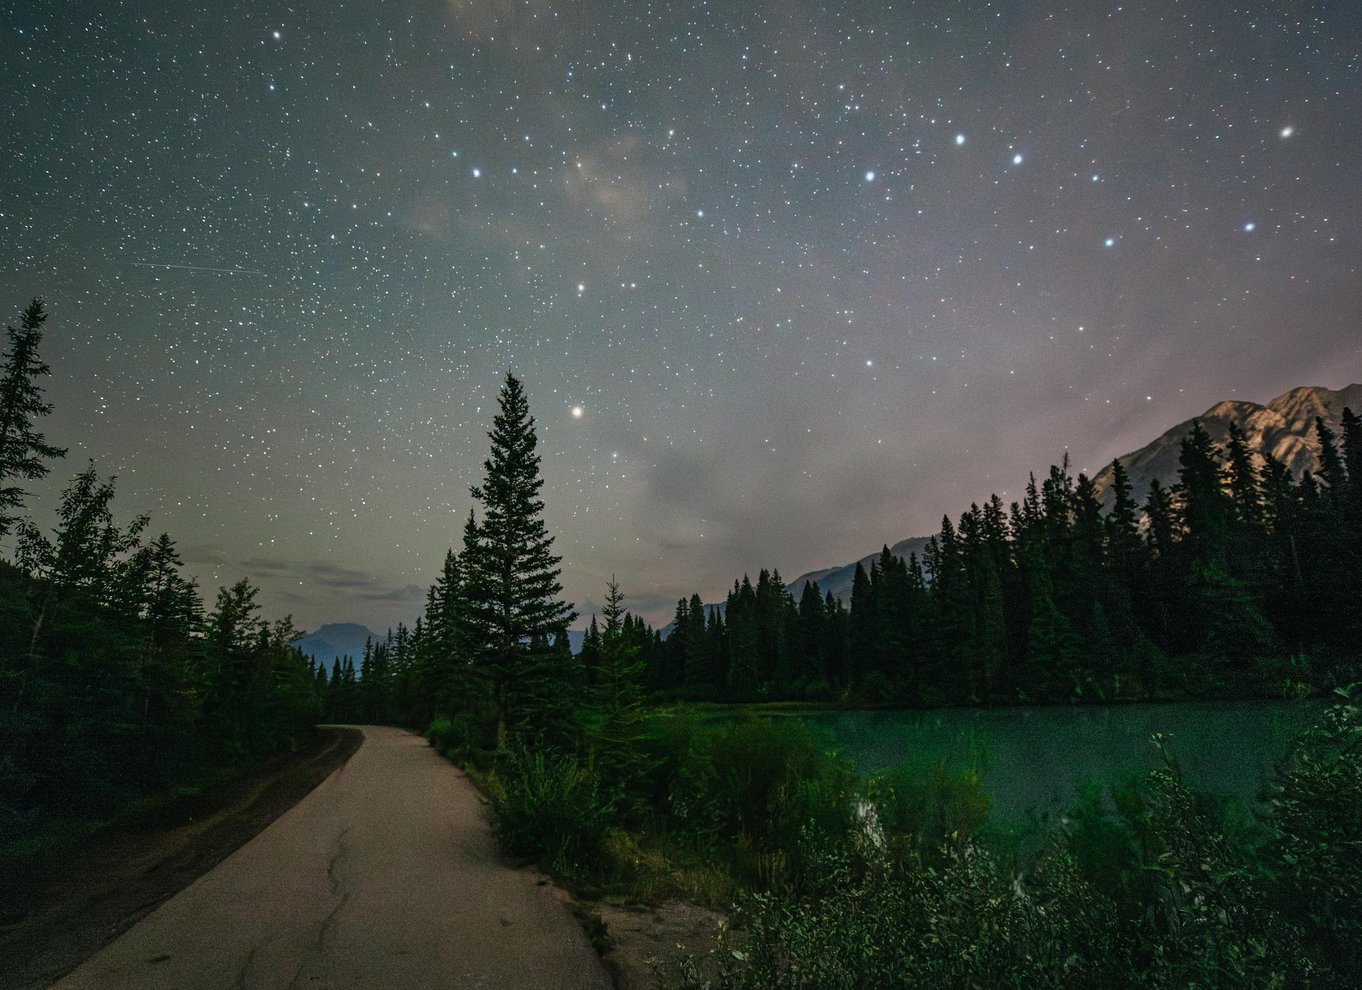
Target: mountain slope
838 579
1284 428
336 639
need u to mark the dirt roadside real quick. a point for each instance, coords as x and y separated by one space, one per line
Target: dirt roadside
128 868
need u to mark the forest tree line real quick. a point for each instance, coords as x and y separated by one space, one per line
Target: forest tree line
1235 580
116 680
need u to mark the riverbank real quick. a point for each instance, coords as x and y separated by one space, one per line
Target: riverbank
751 818
101 885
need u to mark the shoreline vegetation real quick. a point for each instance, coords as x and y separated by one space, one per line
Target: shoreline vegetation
905 880
1238 580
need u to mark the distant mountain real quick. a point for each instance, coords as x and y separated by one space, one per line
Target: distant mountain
1283 428
835 579
575 637
838 579
336 639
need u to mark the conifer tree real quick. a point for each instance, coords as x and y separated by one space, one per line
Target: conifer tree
515 601
22 448
1123 526
1241 477
1352 449
698 660
620 670
1331 467
1204 505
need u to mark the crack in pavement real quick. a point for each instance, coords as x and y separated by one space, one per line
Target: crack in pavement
333 881
240 982
333 864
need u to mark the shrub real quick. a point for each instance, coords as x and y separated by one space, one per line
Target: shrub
965 923
548 807
440 733
455 738
1316 813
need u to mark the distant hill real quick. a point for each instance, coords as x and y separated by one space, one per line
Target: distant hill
336 639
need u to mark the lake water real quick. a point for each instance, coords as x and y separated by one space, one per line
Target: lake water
1034 760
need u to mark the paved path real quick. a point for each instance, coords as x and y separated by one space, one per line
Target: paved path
385 877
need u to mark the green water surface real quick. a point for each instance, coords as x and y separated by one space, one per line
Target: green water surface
1033 761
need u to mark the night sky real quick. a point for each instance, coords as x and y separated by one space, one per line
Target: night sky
784 281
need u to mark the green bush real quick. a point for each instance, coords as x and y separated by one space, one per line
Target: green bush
457 738
548 807
1316 815
963 923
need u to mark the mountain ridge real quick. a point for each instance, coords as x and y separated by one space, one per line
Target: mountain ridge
1283 427
336 639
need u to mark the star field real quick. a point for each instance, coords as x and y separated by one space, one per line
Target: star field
784 281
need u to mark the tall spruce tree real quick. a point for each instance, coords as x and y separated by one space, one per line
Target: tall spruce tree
22 449
514 598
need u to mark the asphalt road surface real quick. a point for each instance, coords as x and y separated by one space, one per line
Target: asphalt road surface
385 877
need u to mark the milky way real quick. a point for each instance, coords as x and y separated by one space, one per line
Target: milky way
784 281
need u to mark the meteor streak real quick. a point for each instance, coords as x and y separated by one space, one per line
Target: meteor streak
198 268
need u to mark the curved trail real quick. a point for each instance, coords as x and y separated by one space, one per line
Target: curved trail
385 876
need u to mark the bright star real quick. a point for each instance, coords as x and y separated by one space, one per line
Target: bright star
1110 242
278 35
1017 158
960 139
870 177
1288 131
1248 227
581 287
577 412
477 173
